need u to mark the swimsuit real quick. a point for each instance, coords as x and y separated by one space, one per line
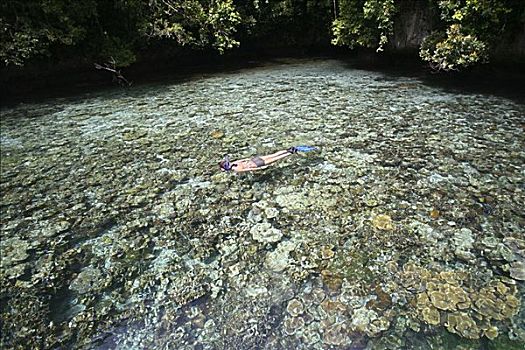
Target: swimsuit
258 161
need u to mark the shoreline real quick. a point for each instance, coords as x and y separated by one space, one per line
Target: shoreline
72 79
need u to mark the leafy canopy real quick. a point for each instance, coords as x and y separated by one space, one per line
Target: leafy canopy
366 23
101 29
468 31
116 28
472 27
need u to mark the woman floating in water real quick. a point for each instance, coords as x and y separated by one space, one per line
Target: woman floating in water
261 162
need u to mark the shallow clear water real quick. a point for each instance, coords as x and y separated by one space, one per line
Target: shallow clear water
405 230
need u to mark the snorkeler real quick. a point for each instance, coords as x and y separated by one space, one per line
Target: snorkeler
260 162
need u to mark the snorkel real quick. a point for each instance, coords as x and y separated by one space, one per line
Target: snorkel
225 164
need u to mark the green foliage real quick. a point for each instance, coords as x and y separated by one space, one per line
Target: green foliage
366 23
100 30
196 23
34 27
453 51
471 28
18 45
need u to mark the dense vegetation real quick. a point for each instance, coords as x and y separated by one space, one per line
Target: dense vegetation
57 30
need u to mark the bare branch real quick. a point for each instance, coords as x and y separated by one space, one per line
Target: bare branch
117 75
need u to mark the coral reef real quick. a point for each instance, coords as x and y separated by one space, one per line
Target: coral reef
404 231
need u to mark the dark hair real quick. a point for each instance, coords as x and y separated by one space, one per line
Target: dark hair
225 164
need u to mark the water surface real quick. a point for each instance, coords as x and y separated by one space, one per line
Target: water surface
405 230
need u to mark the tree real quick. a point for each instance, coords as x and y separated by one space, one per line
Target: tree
100 29
29 28
471 28
196 23
468 31
365 23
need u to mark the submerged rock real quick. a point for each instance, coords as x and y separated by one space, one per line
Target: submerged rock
463 240
517 270
367 321
217 134
90 279
295 307
279 259
336 335
13 253
265 233
293 325
383 222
